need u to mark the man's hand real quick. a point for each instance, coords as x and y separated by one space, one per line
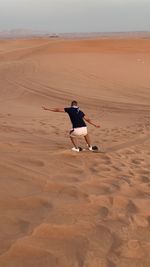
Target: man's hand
97 126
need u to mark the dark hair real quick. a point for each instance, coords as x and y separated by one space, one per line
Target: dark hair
74 103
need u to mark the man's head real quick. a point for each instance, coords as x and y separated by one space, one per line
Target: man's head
74 103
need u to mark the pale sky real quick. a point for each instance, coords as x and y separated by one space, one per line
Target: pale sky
75 15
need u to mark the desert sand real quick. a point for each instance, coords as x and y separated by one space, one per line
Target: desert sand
60 208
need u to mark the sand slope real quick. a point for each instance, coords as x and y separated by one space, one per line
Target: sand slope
65 209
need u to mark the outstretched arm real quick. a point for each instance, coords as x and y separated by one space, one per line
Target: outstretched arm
91 122
53 109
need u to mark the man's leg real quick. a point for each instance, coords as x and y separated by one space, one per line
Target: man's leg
87 139
74 142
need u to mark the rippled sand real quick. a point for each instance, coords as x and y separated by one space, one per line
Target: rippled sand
59 208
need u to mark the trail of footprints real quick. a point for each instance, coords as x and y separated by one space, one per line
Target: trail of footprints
105 192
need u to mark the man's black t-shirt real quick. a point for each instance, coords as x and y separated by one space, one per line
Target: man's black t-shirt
76 117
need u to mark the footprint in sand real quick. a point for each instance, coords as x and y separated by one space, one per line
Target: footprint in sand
126 179
145 179
66 192
95 168
42 123
114 187
115 140
106 159
131 208
95 189
103 212
137 161
72 192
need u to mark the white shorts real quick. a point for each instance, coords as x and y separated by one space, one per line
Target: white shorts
81 131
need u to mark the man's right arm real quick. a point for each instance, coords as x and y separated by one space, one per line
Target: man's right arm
54 109
91 122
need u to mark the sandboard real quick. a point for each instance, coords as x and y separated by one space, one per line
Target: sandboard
95 150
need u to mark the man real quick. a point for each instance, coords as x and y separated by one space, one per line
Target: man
79 127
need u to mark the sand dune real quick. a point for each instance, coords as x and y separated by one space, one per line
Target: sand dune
64 209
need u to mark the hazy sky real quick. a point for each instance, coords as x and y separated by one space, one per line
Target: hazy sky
75 15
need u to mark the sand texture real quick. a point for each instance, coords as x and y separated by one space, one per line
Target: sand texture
59 208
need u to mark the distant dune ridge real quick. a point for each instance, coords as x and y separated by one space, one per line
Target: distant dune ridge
59 208
28 33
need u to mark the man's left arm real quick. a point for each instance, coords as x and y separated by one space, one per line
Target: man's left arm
91 122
